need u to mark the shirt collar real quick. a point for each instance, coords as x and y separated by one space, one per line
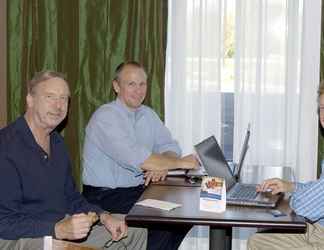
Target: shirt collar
135 114
27 135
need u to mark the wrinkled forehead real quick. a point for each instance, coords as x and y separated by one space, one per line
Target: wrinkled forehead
53 85
134 73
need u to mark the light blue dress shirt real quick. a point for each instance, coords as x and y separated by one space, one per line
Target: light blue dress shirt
308 199
118 141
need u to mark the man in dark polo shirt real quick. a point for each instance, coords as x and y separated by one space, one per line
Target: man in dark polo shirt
37 192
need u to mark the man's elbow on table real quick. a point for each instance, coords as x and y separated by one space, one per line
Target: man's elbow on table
165 162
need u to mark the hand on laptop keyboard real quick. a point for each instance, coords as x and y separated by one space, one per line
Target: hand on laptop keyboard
275 186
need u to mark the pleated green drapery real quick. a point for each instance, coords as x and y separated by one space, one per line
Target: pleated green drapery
86 40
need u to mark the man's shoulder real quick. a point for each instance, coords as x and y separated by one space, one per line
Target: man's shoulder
108 109
9 137
8 133
105 114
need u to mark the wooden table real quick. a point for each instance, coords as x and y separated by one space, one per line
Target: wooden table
190 214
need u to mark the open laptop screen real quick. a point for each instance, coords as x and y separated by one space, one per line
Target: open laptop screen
243 153
212 157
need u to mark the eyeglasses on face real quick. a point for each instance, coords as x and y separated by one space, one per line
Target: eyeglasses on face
55 98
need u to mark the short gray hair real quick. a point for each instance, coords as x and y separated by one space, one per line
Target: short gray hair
41 77
121 66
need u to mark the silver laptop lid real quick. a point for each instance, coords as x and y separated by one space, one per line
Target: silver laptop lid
243 153
212 157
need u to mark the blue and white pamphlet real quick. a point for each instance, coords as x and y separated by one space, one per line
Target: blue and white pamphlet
213 194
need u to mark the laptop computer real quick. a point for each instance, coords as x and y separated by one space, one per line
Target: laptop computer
238 167
193 176
234 168
238 193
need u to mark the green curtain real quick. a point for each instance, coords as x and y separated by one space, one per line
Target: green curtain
86 40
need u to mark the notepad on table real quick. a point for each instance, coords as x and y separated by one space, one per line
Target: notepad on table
164 205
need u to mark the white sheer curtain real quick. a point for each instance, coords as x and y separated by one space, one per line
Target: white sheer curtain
276 78
194 71
271 66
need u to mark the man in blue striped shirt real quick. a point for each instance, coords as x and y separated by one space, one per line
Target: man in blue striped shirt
307 200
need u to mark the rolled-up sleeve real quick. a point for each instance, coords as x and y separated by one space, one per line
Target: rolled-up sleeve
308 199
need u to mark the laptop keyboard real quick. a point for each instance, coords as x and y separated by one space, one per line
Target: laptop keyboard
244 192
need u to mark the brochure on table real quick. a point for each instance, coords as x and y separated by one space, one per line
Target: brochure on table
213 194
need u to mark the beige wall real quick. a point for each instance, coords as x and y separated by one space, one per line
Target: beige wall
3 68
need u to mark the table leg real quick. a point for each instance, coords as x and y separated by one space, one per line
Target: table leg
220 239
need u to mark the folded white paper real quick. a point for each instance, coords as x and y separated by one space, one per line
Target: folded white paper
177 172
165 205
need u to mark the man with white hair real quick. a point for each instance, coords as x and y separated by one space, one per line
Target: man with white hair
38 196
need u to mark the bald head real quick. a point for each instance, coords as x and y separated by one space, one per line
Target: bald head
130 84
126 65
